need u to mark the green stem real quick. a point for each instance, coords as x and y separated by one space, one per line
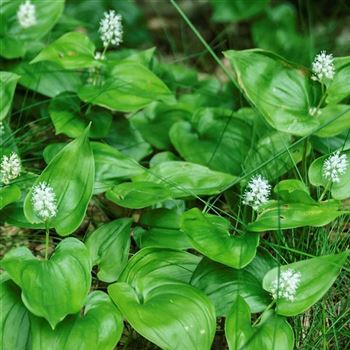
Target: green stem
304 165
325 191
267 309
47 235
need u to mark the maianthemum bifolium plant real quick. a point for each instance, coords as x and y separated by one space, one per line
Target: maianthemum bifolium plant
190 190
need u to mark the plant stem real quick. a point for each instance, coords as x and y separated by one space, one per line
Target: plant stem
304 165
267 309
325 191
47 235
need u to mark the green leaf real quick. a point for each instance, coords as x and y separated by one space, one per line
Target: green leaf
51 288
266 149
212 139
271 333
338 125
285 215
7 89
155 121
67 117
128 87
9 194
47 78
71 51
13 38
172 316
339 88
222 283
187 179
317 276
234 11
340 190
100 325
109 248
163 230
280 91
210 235
73 188
137 195
14 318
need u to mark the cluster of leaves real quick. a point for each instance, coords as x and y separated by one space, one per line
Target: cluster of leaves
166 154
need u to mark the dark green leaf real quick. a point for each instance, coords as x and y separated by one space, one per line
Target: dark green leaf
8 82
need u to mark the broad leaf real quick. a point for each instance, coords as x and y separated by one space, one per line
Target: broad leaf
280 91
339 88
173 316
14 318
271 333
128 87
9 194
222 283
317 276
213 138
51 288
187 179
136 195
109 248
210 235
340 190
72 50
100 325
8 82
73 188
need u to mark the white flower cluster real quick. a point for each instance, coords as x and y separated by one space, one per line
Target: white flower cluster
286 285
111 29
26 14
335 166
10 167
323 67
2 128
314 112
44 201
257 192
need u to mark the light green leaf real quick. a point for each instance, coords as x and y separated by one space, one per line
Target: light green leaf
14 318
187 179
212 138
339 88
8 82
222 283
51 288
100 325
280 91
127 87
172 316
210 235
317 276
137 195
67 117
340 190
72 50
9 194
73 188
271 333
109 248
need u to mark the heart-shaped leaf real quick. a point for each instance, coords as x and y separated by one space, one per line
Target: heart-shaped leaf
99 326
212 139
281 91
52 288
109 248
14 317
271 333
128 87
73 188
340 190
7 89
172 316
187 179
316 276
140 194
72 50
210 235
222 283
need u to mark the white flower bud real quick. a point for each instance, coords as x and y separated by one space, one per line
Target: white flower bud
323 67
